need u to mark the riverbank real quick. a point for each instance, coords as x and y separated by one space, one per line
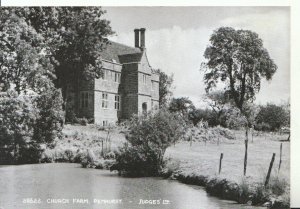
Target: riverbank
196 162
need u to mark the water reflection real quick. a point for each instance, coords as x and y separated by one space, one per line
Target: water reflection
65 182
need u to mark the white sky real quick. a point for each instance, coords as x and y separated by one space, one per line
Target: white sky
176 38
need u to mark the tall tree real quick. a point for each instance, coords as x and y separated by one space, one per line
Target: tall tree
75 38
23 63
238 59
165 87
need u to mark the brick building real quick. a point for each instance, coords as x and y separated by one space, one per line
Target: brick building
129 85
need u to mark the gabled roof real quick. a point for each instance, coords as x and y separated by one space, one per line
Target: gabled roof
121 53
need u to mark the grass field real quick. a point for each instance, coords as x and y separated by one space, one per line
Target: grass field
203 158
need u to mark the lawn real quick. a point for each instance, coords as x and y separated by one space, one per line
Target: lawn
202 158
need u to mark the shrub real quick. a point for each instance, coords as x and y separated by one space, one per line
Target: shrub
17 119
148 138
278 185
83 121
27 122
71 116
50 120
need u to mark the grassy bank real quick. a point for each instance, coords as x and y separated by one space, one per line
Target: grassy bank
80 141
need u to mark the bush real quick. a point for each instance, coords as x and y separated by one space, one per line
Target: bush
50 120
27 122
17 119
83 121
274 116
71 116
148 138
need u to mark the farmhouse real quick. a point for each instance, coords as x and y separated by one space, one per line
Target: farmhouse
129 85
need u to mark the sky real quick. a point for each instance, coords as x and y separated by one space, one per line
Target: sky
176 38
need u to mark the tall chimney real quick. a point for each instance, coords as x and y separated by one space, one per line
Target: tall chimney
143 37
136 38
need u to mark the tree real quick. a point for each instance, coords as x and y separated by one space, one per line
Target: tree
218 102
182 105
23 63
272 117
165 86
148 138
238 59
71 38
76 36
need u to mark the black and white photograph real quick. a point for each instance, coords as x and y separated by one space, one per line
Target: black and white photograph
137 107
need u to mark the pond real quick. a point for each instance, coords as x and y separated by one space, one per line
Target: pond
68 186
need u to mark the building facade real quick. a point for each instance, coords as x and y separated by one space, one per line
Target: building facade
129 85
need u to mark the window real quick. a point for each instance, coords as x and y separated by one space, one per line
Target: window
117 77
106 74
117 102
152 85
84 99
144 79
105 123
104 100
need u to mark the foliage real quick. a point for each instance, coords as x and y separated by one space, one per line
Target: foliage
181 105
17 119
238 59
23 61
26 122
218 102
165 86
75 37
272 117
51 116
148 138
83 121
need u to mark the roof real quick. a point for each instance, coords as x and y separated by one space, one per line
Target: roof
121 53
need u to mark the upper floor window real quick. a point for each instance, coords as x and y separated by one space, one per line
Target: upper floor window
104 100
117 102
84 99
117 77
152 85
106 74
144 79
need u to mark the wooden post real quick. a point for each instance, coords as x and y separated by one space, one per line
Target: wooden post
270 169
102 153
220 165
280 157
246 153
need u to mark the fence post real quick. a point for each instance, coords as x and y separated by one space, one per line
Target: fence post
220 165
102 153
270 169
280 157
246 153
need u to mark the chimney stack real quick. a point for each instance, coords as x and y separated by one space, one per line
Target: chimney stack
136 38
143 37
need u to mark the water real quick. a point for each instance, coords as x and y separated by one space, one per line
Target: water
49 183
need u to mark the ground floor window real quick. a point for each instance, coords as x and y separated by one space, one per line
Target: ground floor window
105 123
